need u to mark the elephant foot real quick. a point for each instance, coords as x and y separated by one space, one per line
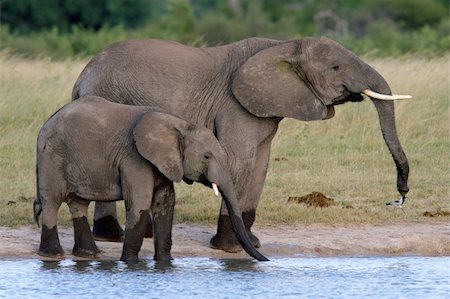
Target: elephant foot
254 239
85 252
163 257
149 229
249 218
108 229
129 258
50 246
225 243
226 240
55 253
84 242
134 238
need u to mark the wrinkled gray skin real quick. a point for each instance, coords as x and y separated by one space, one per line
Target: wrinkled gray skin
241 91
95 150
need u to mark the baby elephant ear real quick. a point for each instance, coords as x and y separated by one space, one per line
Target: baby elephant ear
157 137
267 85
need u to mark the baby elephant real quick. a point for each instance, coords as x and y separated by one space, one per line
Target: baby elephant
95 150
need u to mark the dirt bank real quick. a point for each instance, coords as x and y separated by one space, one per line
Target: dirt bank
428 239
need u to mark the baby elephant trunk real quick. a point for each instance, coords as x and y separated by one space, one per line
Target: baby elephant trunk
217 175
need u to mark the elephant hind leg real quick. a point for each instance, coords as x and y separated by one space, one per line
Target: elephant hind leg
50 245
106 226
51 193
84 241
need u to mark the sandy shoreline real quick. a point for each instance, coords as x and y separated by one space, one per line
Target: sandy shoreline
425 239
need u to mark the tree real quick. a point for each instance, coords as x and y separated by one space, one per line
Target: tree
24 16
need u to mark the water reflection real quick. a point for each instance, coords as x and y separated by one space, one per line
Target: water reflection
164 266
84 266
376 277
229 265
241 265
50 265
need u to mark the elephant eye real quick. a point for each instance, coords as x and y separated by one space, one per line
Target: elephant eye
207 156
336 67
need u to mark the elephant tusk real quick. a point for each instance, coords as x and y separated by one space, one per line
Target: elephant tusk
380 96
216 190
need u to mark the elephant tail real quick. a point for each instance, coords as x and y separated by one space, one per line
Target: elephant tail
37 204
76 90
37 208
79 88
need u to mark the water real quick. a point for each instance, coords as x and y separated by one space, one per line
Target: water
342 277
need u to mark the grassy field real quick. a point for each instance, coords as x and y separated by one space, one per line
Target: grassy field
345 157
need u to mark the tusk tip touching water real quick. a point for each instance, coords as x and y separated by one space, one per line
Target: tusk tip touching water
216 190
389 97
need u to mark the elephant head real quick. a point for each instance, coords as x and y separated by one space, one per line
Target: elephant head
304 79
181 151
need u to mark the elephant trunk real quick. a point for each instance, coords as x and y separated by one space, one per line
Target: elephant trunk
221 177
386 114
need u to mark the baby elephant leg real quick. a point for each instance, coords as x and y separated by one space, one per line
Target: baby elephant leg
84 241
134 235
137 189
162 210
50 245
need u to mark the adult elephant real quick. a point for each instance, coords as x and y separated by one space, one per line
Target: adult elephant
241 91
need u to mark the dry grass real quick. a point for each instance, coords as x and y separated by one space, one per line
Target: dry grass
30 91
345 157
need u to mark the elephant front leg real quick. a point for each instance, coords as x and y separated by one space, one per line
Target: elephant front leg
134 237
249 195
255 190
162 210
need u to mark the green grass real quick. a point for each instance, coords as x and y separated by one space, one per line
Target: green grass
345 157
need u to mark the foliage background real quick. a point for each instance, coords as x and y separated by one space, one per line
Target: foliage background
63 28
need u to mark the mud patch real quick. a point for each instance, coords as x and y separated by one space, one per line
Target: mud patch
20 199
436 214
401 238
278 159
313 199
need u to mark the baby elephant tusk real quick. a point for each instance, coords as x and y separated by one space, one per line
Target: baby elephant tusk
216 190
380 96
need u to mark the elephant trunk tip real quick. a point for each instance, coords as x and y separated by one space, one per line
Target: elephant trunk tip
241 234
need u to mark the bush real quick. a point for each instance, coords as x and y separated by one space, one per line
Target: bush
56 44
385 40
366 26
25 16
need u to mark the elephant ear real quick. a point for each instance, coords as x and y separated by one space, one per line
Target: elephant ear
267 85
157 137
